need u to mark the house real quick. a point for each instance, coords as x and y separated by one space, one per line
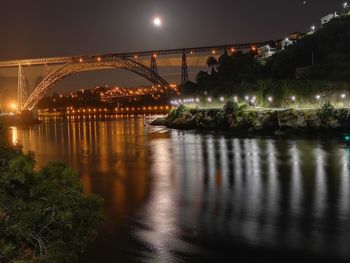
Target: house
326 19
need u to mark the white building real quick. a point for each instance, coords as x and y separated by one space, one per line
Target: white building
328 18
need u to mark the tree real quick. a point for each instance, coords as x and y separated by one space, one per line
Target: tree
44 215
212 62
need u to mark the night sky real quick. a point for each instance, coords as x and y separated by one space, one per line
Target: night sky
42 28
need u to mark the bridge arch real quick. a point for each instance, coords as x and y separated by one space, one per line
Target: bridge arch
82 64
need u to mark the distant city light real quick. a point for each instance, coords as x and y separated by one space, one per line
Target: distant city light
293 98
318 97
313 27
345 5
209 99
222 99
270 99
343 96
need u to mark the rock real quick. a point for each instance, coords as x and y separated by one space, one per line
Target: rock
291 119
160 122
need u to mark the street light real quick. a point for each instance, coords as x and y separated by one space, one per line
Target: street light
343 96
318 97
345 5
222 99
270 99
293 98
209 99
13 106
313 28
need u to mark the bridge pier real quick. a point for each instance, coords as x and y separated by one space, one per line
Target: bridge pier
154 67
184 69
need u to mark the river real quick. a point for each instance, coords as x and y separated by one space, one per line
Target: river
183 196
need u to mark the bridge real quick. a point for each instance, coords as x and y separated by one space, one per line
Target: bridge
134 62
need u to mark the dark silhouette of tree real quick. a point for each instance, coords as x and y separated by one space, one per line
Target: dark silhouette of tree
212 63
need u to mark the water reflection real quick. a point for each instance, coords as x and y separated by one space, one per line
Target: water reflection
174 196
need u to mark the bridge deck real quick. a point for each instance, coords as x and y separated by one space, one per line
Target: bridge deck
62 60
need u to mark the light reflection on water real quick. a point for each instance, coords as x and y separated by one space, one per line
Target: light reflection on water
174 196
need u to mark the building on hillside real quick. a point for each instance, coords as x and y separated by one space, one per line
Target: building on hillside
265 52
291 39
326 19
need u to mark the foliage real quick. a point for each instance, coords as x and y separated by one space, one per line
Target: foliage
327 115
44 215
287 73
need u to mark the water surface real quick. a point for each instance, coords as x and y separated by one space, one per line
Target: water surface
175 196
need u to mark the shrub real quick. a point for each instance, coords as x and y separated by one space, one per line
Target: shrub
327 115
44 215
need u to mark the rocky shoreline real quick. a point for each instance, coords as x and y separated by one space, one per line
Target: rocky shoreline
239 118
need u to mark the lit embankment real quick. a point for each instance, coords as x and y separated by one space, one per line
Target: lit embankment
240 117
142 110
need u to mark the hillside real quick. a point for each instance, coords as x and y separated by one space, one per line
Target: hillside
328 48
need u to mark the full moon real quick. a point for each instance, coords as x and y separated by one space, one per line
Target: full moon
157 21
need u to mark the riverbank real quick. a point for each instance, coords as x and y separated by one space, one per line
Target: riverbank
240 118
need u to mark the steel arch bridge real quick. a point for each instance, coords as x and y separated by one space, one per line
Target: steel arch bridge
82 64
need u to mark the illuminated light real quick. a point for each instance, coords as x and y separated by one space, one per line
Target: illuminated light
213 52
246 97
136 57
161 107
222 99
191 52
83 110
143 108
318 97
157 21
73 111
89 110
78 111
197 100
13 106
155 108
94 110
233 50
345 5
98 59
127 109
313 27
347 138
254 48
105 109
270 99
154 55
235 98
81 60
293 98
149 108
209 99
343 96
254 98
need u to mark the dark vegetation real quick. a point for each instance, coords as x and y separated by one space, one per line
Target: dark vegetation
318 63
44 215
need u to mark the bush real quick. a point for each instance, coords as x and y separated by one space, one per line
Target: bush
327 115
44 215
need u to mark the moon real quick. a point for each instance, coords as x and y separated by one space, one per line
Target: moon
157 21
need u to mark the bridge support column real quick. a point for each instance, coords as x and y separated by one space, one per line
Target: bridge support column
184 69
154 67
20 85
